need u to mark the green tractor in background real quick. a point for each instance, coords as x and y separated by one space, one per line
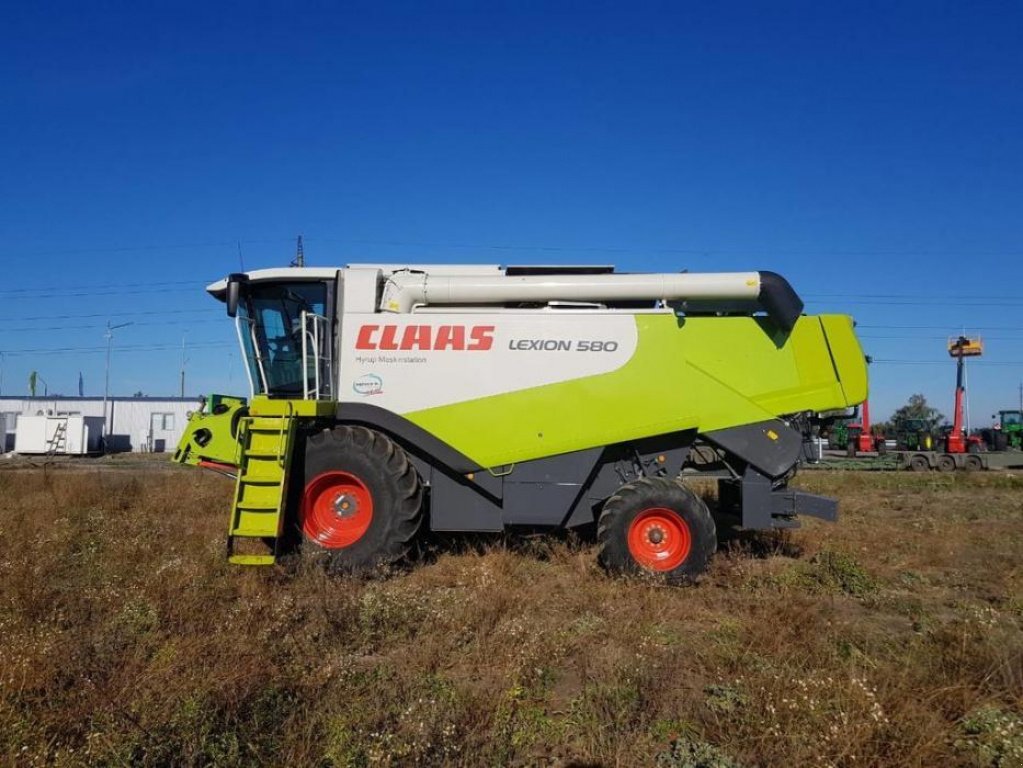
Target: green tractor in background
1007 435
914 435
838 435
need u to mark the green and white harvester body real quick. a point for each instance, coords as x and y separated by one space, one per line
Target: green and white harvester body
387 399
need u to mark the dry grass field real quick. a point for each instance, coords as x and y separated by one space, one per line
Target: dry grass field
894 638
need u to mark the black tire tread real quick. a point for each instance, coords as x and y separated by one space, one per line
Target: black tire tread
405 517
646 491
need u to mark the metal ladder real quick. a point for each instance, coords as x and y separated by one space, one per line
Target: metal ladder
261 488
58 442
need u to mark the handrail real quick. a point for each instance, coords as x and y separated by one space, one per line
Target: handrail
310 331
256 353
241 345
305 356
285 426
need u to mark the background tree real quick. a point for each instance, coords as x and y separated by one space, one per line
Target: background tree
917 408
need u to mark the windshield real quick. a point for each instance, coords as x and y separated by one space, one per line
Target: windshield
273 340
1012 418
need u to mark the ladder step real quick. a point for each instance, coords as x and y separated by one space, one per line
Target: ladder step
261 479
264 423
248 528
252 559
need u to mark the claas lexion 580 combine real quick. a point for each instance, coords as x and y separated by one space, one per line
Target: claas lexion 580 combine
387 399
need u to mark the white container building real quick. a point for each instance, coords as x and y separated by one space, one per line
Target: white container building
138 424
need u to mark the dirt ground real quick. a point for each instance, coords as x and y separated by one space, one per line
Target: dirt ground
892 638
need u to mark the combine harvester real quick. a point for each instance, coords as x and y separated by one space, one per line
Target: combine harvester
473 398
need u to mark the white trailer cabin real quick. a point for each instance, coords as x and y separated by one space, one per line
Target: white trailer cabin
137 424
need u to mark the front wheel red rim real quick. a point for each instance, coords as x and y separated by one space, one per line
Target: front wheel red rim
659 539
337 509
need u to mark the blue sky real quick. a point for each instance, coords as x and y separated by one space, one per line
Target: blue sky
871 152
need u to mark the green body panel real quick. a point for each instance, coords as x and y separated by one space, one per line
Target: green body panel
845 351
702 373
218 418
311 409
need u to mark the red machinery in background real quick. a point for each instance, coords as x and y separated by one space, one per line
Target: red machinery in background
956 441
859 435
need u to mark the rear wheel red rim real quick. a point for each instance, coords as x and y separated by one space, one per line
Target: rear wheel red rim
659 539
337 509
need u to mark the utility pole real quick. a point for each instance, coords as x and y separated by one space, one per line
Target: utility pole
2 374
183 361
299 254
106 379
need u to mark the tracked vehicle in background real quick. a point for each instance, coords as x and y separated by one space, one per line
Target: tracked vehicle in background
390 398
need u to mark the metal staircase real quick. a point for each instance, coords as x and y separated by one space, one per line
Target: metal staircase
261 491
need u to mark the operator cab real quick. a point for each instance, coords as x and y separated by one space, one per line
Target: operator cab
1010 418
285 320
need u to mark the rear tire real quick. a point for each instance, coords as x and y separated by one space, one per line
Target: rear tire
946 463
362 506
919 464
656 527
974 463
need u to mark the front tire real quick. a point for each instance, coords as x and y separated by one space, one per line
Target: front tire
362 506
656 527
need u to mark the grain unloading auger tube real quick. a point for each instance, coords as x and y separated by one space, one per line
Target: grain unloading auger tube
386 398
404 291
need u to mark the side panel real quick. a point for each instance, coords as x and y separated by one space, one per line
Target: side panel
508 387
544 492
561 490
541 493
700 373
409 363
847 355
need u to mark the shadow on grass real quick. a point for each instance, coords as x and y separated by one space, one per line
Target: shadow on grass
541 544
759 545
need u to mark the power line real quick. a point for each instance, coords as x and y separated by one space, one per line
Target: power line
924 294
920 303
79 294
150 247
985 363
943 327
120 349
696 251
51 288
919 337
100 325
141 313
658 250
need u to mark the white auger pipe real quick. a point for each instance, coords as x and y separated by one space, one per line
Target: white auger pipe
403 291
